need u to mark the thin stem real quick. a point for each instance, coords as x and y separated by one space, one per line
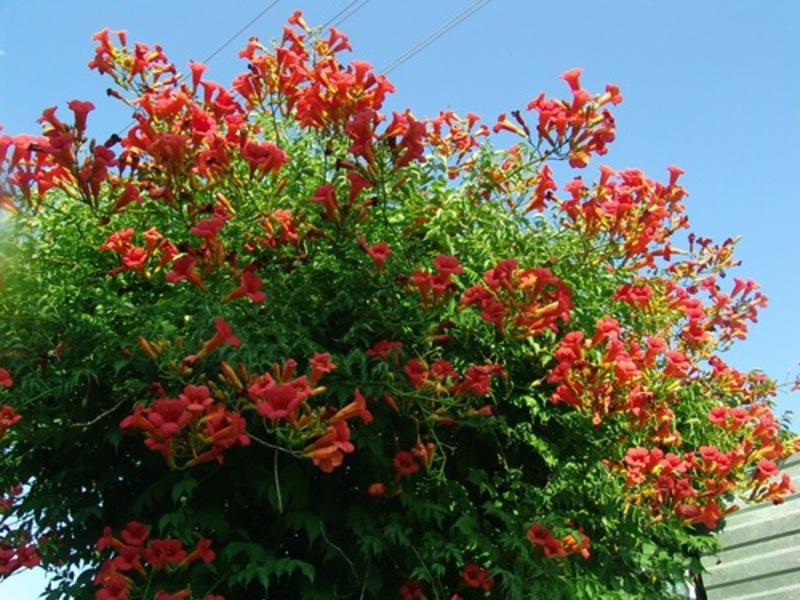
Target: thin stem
278 485
102 415
273 446
337 548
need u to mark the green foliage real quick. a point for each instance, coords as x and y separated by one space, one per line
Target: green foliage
323 354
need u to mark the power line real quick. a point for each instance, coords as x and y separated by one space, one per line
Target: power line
452 23
351 9
344 10
354 11
241 31
229 41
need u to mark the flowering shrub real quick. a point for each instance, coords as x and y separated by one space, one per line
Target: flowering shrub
285 344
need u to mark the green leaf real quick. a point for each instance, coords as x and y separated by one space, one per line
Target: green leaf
183 490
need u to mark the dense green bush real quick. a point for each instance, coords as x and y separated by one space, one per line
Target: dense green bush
270 342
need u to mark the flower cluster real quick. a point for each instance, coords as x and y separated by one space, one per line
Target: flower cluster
607 375
180 131
17 550
477 577
193 427
409 462
137 554
327 451
580 127
637 215
278 396
8 417
433 287
322 94
17 555
694 485
720 321
554 547
441 377
135 258
531 300
384 348
455 139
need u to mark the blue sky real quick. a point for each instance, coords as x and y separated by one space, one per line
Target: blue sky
712 87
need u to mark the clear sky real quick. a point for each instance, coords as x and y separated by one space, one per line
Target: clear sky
712 87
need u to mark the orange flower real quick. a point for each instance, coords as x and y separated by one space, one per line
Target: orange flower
5 379
404 463
250 287
224 335
379 253
357 408
8 418
328 451
376 489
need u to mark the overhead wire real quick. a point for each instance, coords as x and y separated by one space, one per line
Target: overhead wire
442 30
333 20
351 9
241 31
227 43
